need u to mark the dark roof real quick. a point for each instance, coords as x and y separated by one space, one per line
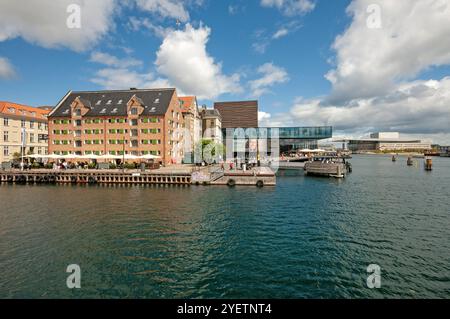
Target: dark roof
114 103
238 114
211 113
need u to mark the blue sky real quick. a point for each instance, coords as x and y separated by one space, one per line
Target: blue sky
308 62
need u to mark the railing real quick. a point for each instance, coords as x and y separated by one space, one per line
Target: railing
216 174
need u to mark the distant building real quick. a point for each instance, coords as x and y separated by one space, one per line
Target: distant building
242 114
192 123
444 151
385 135
240 123
22 128
386 141
211 124
134 122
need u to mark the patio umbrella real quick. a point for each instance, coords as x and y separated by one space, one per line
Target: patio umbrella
109 156
70 156
92 156
131 157
150 156
36 156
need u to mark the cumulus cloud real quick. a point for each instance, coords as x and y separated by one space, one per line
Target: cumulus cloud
184 60
412 107
44 22
411 38
6 69
376 84
263 116
290 7
110 60
122 78
270 76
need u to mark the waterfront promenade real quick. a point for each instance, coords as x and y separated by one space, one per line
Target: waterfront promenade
172 175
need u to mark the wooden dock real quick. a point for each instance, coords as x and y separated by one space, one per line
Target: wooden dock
94 177
260 176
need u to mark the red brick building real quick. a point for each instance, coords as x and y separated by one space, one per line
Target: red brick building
137 122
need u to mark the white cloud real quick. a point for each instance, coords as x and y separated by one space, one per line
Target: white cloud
290 7
6 69
263 116
121 78
375 85
232 9
183 59
280 33
167 8
413 37
270 76
138 23
264 38
110 60
44 22
418 107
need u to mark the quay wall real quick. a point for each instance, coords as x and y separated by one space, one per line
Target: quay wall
92 177
135 177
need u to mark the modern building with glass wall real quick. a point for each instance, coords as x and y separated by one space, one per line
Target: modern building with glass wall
241 132
272 141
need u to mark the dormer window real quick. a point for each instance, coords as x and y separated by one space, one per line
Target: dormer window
109 102
98 102
12 110
153 109
156 101
114 111
103 111
120 102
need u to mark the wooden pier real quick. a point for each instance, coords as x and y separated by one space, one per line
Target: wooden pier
93 177
165 176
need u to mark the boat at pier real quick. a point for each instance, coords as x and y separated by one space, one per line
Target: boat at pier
330 166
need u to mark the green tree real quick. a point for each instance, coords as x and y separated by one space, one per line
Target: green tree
211 150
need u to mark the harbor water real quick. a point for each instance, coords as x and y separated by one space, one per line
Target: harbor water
307 237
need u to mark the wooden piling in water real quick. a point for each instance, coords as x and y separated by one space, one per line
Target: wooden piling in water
428 164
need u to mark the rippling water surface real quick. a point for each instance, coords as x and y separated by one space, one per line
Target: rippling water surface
305 238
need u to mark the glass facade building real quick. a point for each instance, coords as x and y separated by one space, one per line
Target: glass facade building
285 139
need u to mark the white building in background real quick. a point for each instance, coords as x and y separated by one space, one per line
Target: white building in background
386 141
